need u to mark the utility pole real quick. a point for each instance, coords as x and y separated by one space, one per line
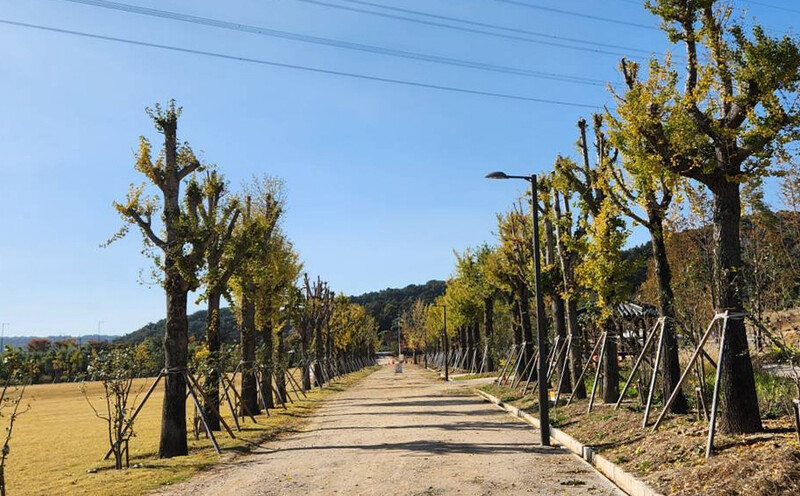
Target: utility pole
99 323
2 334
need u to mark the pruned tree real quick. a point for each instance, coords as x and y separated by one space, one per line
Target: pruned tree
313 319
177 252
735 115
263 206
643 188
590 237
225 250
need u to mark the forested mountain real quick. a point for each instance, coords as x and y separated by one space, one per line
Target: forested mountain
385 305
197 328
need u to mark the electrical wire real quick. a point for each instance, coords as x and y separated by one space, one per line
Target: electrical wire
205 21
496 26
577 14
300 67
465 29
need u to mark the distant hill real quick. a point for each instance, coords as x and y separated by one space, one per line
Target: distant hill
197 328
22 341
640 256
387 304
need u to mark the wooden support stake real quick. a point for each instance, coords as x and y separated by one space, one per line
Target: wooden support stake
509 358
597 372
702 411
202 415
563 369
656 365
138 409
638 361
583 372
190 380
712 424
688 369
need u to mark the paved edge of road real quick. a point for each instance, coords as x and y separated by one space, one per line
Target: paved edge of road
614 473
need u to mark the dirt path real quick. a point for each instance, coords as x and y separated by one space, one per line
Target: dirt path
406 434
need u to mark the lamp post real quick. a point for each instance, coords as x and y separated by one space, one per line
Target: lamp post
446 344
544 400
2 334
99 323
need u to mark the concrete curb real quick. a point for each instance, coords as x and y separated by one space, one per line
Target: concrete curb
622 479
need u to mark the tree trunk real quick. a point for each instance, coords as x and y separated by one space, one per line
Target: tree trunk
571 306
211 385
516 322
267 366
560 330
476 343
304 360
176 342
666 303
610 383
280 357
176 337
488 330
739 402
247 336
320 355
556 301
525 318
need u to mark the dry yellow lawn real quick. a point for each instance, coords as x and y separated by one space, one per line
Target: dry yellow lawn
59 439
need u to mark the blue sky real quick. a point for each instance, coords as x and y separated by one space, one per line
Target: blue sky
383 181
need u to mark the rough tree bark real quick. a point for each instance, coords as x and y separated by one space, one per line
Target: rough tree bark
211 385
556 301
280 355
247 338
666 303
488 329
267 366
610 391
739 402
570 305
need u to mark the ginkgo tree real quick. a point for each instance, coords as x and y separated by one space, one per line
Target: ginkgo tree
732 120
643 187
177 252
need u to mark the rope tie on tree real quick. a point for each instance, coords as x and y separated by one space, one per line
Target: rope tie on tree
174 370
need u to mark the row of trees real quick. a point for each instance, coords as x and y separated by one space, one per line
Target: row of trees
677 152
229 246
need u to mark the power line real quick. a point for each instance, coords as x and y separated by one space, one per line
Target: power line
205 21
299 67
466 29
771 6
576 14
494 26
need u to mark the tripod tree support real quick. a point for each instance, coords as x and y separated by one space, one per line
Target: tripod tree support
638 361
686 372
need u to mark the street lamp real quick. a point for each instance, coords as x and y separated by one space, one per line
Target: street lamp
2 334
446 344
544 400
99 323
397 324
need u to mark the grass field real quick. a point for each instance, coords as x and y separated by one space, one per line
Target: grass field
60 439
